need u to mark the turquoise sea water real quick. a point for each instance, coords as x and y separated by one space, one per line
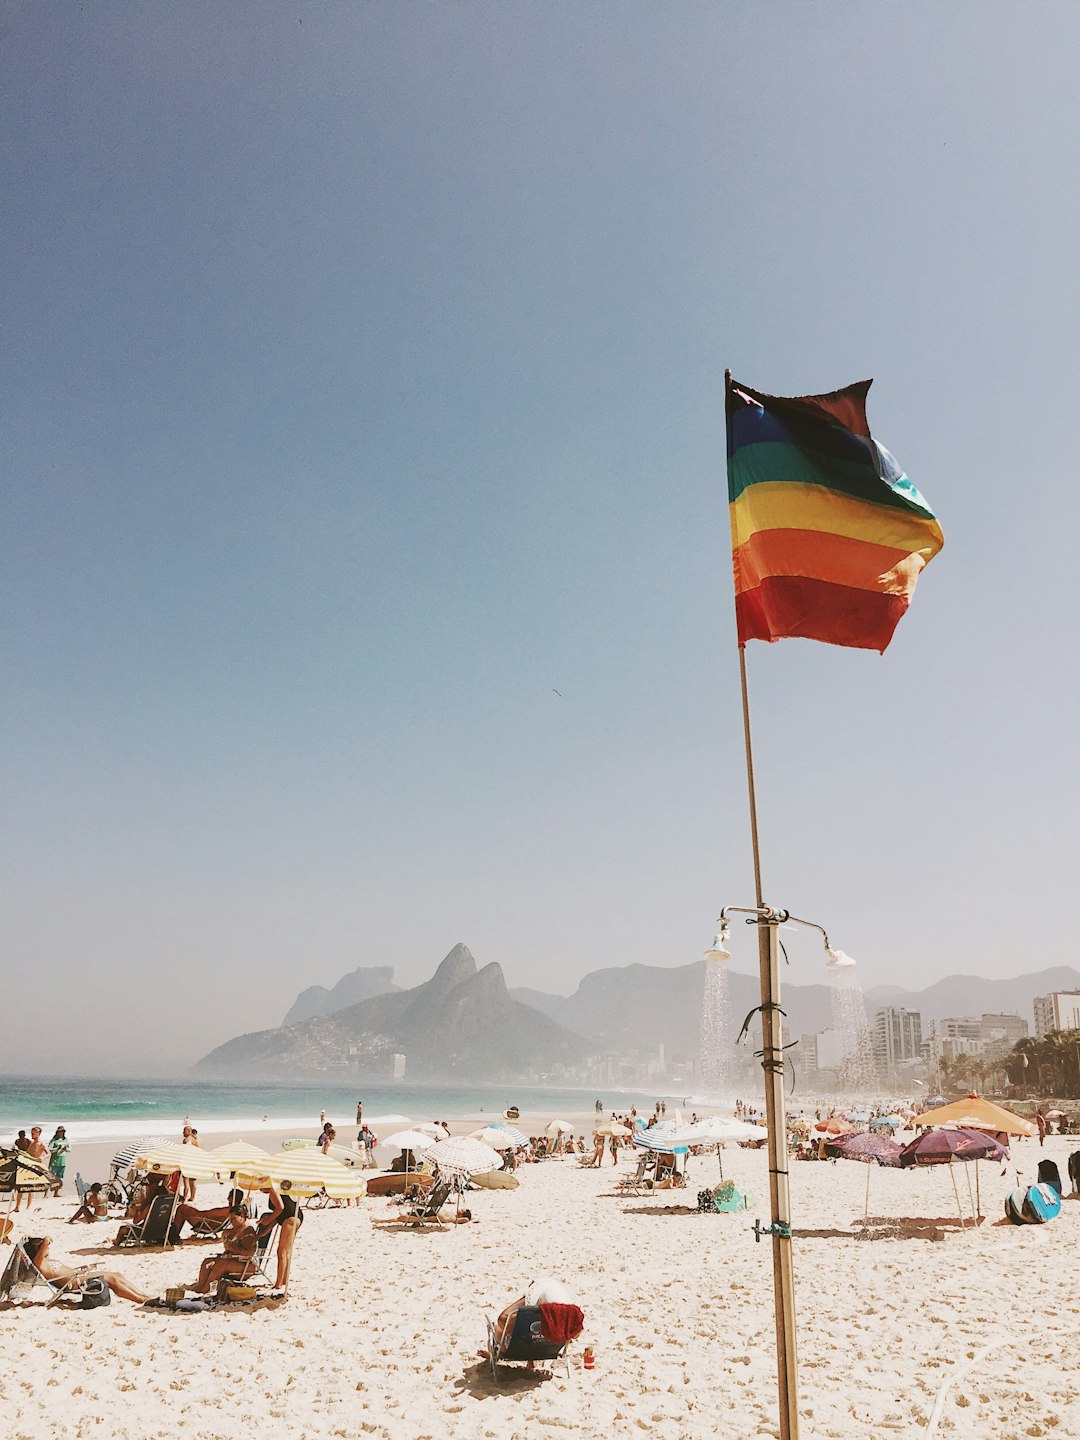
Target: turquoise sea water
103 1109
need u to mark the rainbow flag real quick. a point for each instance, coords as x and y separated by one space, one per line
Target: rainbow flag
828 534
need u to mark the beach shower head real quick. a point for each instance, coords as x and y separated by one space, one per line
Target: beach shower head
838 959
718 949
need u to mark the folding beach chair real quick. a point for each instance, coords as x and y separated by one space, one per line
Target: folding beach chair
634 1184
21 1275
425 1213
525 1342
156 1231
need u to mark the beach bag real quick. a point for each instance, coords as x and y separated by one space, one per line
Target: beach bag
95 1293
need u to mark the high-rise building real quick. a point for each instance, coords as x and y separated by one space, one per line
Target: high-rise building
1057 1011
897 1037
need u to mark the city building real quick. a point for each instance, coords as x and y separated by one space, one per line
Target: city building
897 1037
1057 1011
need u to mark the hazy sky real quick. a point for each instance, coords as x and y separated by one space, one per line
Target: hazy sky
362 382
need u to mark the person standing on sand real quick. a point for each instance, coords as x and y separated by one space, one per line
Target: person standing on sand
1043 1124
598 1152
58 1153
359 1114
36 1149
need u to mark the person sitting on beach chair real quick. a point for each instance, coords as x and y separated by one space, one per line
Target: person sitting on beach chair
65 1282
208 1224
238 1259
424 1213
154 1228
538 1326
94 1205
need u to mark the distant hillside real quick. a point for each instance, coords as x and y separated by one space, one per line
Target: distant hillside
361 984
632 1009
462 1024
972 995
538 999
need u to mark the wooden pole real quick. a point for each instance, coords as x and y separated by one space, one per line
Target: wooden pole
772 1063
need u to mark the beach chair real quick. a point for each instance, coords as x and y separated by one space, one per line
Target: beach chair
425 1213
207 1229
21 1275
634 1184
81 1187
155 1231
526 1342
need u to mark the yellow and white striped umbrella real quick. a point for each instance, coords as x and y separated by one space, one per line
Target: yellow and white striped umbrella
237 1155
303 1173
193 1163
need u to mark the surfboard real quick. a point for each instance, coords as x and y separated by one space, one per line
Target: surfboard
496 1180
1042 1203
395 1184
336 1152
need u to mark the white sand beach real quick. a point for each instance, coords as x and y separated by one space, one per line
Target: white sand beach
380 1333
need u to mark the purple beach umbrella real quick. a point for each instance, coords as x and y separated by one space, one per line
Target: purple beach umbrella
941 1147
871 1149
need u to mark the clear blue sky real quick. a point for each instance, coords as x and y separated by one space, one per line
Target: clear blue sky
362 384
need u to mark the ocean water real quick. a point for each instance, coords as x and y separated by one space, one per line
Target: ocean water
118 1109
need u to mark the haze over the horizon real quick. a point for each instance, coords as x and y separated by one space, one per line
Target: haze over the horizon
365 549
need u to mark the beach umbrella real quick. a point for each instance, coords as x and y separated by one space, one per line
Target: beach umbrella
871 1149
517 1139
22 1174
19 1171
942 1147
800 1124
303 1173
663 1138
973 1112
461 1156
499 1138
613 1128
558 1127
235 1155
833 1126
408 1140
432 1129
191 1161
719 1129
124 1159
937 1100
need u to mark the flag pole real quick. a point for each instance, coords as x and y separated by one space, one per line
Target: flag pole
772 1064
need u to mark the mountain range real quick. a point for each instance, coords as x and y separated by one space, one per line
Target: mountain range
462 1024
465 1024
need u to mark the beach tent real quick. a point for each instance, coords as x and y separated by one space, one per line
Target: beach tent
731 1197
975 1113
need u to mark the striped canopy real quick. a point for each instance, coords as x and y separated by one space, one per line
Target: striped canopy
462 1156
303 1173
124 1158
236 1155
192 1162
501 1137
665 1138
